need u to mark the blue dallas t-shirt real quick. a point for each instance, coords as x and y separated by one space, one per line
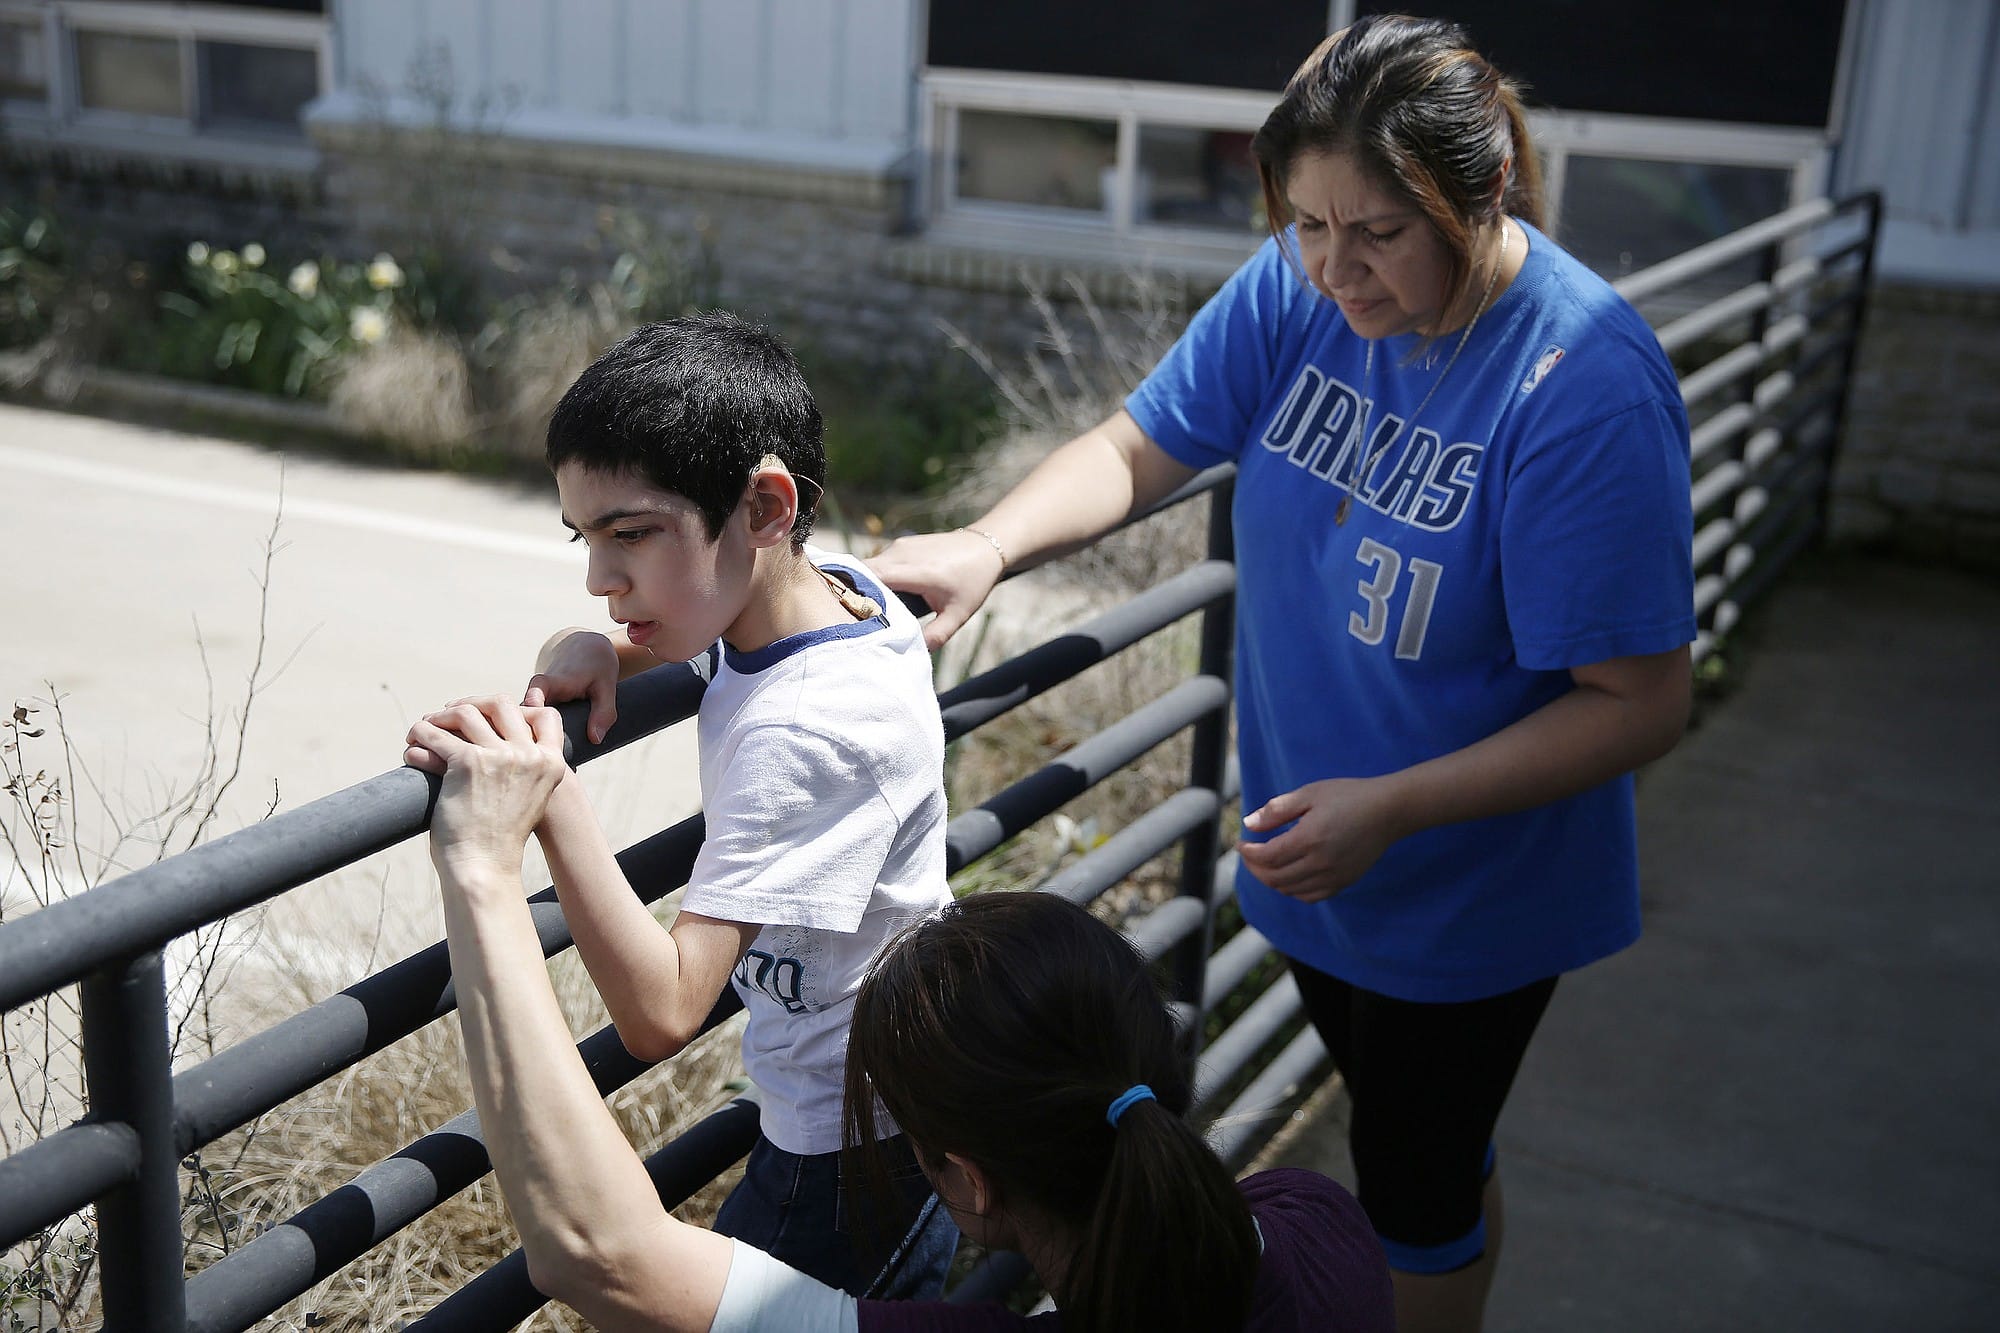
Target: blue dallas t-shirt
1535 518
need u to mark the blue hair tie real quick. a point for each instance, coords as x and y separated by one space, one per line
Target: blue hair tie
1138 1092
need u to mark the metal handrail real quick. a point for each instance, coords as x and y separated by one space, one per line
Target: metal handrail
1805 316
1762 461
67 940
1705 259
111 930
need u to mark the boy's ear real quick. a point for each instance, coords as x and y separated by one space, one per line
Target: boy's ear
773 501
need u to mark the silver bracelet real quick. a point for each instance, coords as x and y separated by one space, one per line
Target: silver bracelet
992 541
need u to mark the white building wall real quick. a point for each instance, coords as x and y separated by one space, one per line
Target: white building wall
1923 125
821 84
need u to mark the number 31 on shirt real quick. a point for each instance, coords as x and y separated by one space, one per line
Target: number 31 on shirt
1385 565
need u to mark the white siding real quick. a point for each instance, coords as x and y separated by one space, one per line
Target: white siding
1983 203
664 59
377 42
879 64
454 28
806 79
590 57
805 64
732 85
1922 124
523 54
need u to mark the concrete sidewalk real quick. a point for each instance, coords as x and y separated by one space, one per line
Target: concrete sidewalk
1781 1109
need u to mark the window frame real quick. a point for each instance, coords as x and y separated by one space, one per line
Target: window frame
1127 104
62 118
44 17
1804 154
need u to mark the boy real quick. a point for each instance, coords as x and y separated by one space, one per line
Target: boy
679 456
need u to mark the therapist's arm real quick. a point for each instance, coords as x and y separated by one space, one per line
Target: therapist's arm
595 1233
1074 496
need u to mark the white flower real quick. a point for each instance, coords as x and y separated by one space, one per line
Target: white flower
253 255
384 273
197 253
367 325
224 262
304 281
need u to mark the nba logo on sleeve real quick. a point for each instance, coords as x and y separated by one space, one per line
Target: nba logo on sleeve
1543 365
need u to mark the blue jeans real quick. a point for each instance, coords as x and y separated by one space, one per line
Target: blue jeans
795 1209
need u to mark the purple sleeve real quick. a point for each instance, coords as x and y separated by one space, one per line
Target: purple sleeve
1323 1268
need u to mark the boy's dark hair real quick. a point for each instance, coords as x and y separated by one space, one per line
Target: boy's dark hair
692 405
1002 1028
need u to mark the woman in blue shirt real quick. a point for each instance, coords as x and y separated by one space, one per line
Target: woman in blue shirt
1463 531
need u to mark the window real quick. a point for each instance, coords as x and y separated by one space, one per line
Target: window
1092 168
1625 193
1071 155
1622 214
1058 162
1197 178
138 76
246 87
1671 126
180 79
24 60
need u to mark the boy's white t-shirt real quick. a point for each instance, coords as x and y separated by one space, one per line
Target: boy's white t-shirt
822 784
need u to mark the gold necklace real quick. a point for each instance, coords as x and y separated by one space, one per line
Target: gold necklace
1374 455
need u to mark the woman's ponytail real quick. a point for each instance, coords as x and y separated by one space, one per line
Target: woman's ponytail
1523 195
1002 1030
1171 1244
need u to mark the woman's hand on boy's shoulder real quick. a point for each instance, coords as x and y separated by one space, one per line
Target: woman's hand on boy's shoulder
578 664
952 571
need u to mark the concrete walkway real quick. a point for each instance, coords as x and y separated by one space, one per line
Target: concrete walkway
1781 1109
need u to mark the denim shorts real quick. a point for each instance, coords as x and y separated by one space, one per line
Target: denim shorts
794 1209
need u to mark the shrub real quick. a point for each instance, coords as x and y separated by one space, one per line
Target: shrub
236 322
33 272
533 347
899 432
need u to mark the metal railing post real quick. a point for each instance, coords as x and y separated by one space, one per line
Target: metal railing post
1210 761
1872 200
129 1068
1739 451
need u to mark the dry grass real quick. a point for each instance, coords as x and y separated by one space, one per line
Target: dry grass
63 833
412 387
1078 371
322 1140
431 394
537 355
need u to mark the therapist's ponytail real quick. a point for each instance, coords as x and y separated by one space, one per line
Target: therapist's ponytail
1003 1030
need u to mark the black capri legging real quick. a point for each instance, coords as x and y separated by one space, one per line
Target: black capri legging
1427 1082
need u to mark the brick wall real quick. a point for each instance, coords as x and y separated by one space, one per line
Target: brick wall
151 209
822 258
1920 465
